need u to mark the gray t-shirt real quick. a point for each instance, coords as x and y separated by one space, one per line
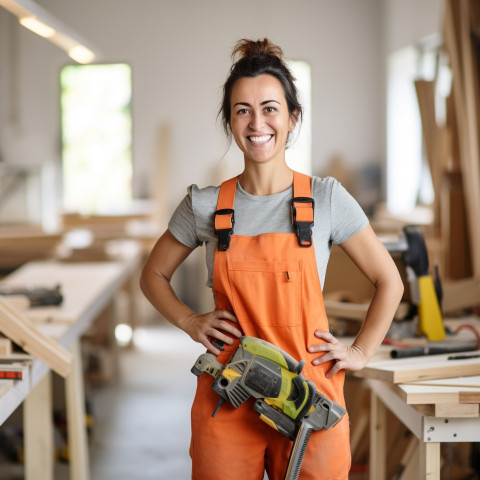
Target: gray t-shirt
337 217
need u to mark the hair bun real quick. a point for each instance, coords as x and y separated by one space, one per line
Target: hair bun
247 48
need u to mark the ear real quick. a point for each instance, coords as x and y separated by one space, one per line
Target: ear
292 122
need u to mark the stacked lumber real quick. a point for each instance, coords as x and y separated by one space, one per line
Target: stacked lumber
21 244
103 227
436 384
453 149
105 233
15 325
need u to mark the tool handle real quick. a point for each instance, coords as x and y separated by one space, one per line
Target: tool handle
298 451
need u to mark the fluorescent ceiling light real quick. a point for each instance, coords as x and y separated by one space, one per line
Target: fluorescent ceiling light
36 26
38 20
81 54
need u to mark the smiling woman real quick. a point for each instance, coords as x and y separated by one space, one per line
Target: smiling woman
268 234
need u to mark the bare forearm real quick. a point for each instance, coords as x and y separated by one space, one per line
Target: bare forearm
379 317
159 292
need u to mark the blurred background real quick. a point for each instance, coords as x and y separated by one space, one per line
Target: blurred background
108 112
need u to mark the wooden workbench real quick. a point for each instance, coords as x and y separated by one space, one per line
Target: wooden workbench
435 397
88 289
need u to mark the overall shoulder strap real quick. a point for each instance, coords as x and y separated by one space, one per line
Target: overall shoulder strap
303 206
224 218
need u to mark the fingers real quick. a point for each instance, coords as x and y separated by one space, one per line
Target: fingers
343 356
330 344
332 349
223 325
225 314
213 326
337 366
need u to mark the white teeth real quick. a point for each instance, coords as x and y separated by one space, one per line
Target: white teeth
261 139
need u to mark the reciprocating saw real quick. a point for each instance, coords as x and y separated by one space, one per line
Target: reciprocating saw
285 400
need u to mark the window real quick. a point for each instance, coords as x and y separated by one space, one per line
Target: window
299 154
96 137
408 176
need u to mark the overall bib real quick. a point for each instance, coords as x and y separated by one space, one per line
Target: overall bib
270 282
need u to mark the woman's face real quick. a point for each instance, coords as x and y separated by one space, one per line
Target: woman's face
259 119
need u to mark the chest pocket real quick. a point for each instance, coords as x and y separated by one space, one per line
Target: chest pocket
267 293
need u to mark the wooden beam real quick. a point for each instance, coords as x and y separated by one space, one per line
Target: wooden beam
407 370
38 427
431 136
467 382
457 410
458 43
434 394
5 345
449 410
77 434
429 460
16 326
378 439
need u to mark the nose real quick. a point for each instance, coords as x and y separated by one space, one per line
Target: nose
256 121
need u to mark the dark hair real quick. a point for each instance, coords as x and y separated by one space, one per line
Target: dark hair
259 57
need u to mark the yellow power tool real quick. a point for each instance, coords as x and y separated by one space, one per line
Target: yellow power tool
285 400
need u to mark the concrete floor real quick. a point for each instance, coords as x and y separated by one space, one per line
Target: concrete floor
142 423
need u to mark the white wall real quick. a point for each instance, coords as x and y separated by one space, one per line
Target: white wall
179 51
408 21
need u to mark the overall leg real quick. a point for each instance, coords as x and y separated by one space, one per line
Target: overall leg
327 456
230 445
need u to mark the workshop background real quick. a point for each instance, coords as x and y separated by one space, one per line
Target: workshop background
87 174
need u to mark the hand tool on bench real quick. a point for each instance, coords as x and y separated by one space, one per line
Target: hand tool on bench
285 400
425 289
37 296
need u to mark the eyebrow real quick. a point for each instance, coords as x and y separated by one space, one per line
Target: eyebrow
245 104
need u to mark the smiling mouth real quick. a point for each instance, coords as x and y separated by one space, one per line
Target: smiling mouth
259 140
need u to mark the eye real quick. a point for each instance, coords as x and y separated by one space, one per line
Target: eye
270 109
242 111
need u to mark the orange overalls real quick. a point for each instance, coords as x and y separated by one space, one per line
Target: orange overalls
271 284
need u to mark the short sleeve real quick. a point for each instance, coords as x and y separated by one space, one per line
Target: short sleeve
347 215
182 224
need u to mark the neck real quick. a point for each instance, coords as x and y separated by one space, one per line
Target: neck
262 180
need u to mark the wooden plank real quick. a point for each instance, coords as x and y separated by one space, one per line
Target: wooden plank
454 232
378 436
431 135
5 346
77 435
457 410
449 410
429 461
468 382
428 394
16 326
38 428
405 370
458 44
